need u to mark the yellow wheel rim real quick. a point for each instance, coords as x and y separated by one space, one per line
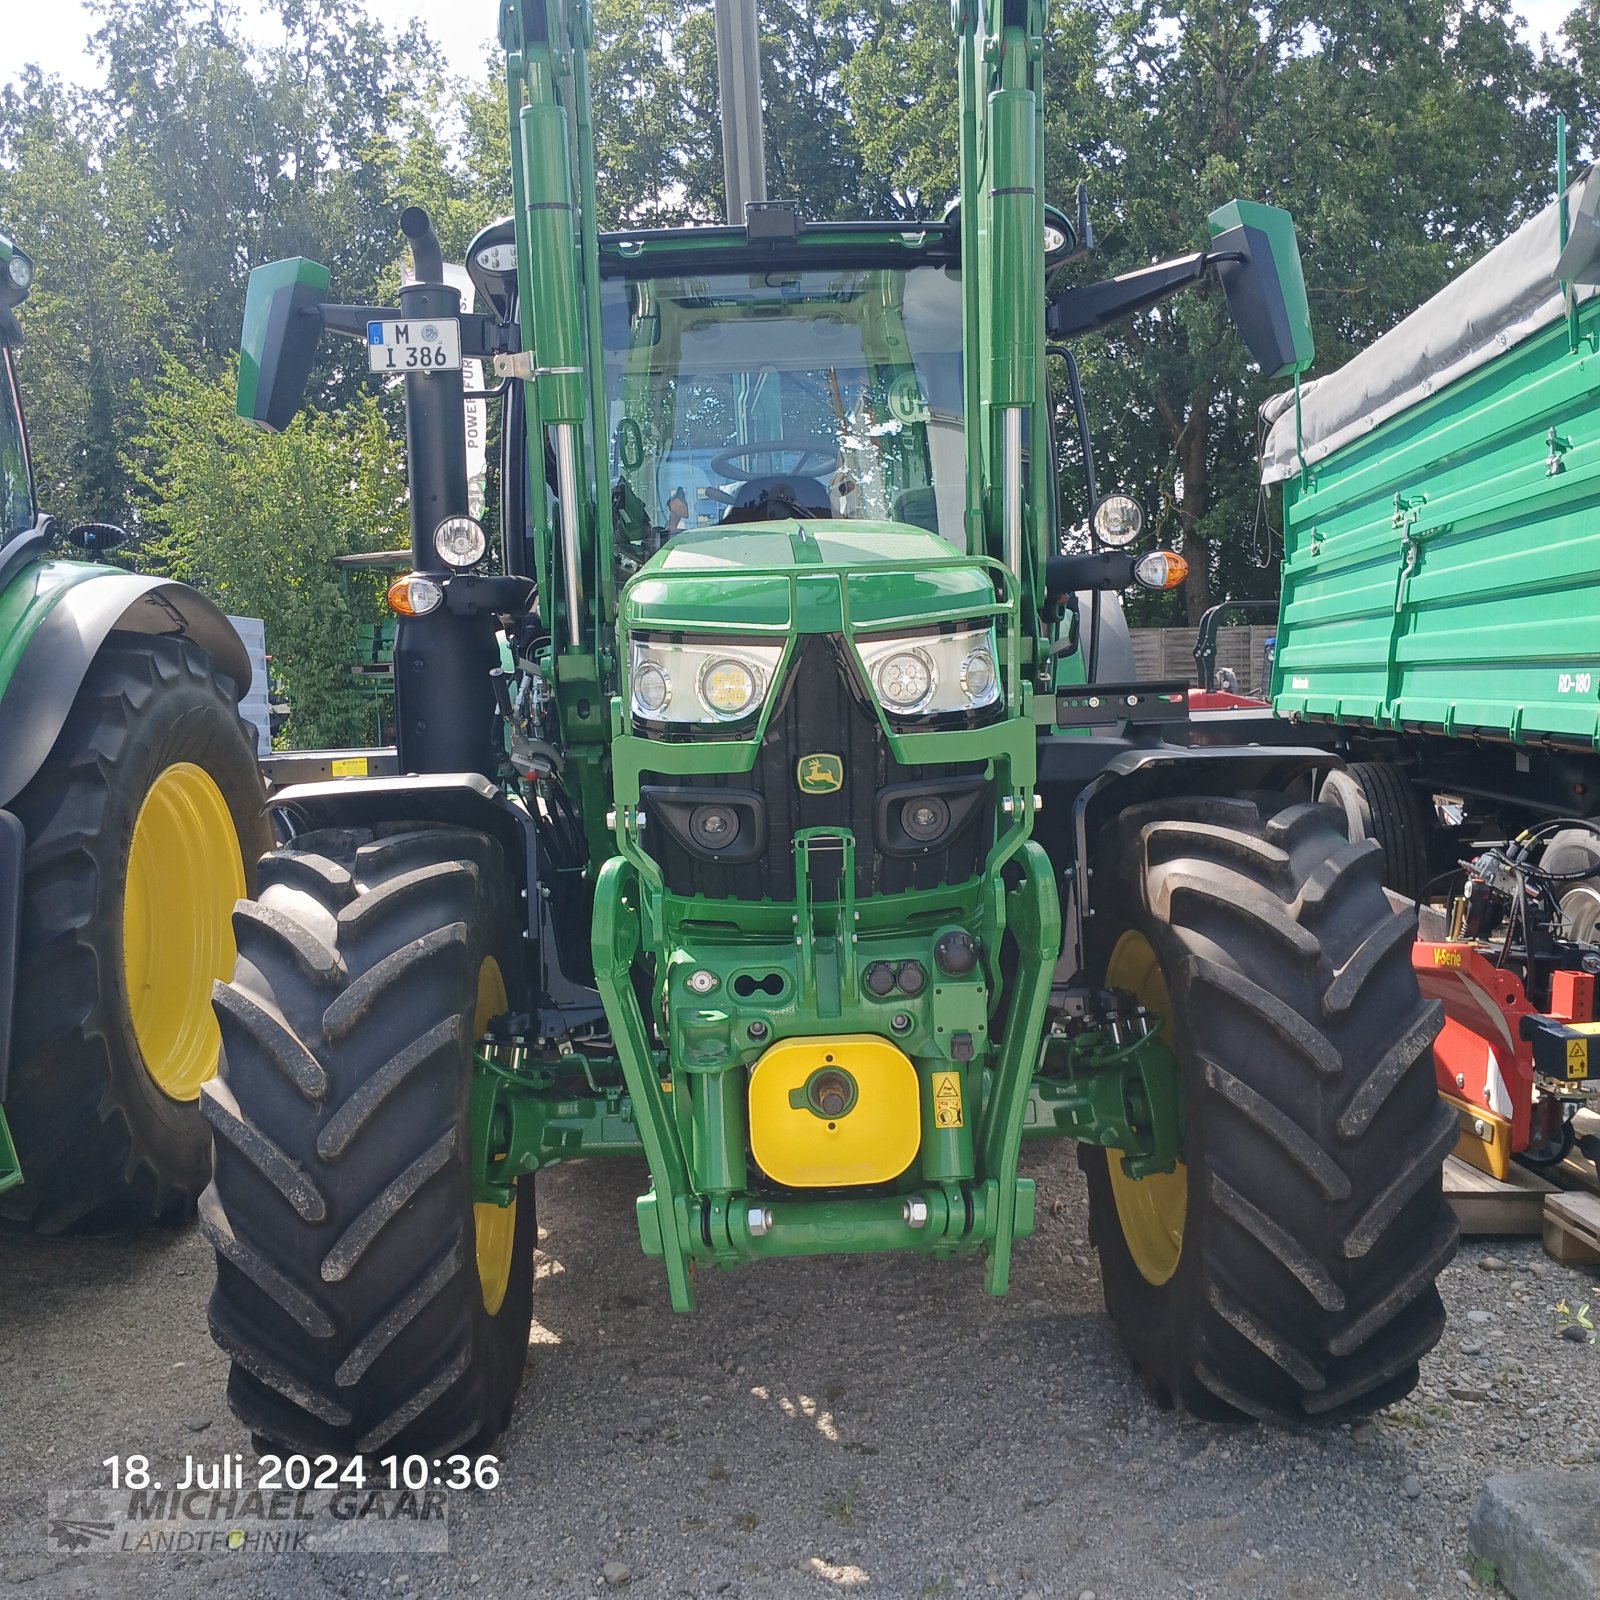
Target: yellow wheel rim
1151 1210
184 875
495 1227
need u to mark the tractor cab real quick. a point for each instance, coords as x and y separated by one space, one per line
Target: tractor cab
750 383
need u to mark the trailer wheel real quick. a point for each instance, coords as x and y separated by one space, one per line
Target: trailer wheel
1379 803
1577 850
367 1304
143 827
1286 1269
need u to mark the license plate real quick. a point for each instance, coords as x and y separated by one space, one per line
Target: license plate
414 345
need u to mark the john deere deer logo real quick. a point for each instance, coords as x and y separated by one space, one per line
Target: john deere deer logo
820 774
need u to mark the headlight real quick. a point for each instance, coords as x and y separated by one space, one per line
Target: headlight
686 682
932 673
1118 520
905 679
460 542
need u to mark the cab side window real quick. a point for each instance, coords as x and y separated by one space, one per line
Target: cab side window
16 489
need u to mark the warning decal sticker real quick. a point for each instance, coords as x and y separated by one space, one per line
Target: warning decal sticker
1577 1058
947 1099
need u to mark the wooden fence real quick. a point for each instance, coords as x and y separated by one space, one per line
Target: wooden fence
1168 653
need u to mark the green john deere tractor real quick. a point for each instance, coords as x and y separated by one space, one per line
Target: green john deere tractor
777 807
131 816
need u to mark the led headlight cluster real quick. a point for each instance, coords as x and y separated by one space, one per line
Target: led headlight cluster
928 674
695 681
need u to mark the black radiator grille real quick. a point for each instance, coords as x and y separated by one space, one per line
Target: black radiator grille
821 710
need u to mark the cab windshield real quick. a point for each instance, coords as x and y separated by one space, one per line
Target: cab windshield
761 396
16 493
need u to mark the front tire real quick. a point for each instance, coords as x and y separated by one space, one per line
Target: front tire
1287 1269
366 1303
143 827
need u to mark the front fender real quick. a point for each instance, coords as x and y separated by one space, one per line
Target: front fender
54 618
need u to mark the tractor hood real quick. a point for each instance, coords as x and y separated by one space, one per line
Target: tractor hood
810 577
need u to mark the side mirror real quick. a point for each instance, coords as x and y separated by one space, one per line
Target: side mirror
93 537
16 274
16 278
279 341
1265 285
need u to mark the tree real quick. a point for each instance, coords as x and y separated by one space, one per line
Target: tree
255 519
1399 133
1405 136
146 200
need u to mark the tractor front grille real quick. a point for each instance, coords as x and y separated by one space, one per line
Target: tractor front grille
821 709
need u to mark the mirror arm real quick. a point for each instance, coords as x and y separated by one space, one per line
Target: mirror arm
1084 308
351 321
1104 569
481 335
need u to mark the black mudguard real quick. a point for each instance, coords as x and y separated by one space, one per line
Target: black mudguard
461 799
1084 782
39 697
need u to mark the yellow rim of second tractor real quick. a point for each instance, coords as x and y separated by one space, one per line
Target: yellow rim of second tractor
494 1227
1151 1210
184 875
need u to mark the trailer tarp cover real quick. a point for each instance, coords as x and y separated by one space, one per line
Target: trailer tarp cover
1503 299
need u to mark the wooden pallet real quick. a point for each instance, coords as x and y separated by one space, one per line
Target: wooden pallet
1572 1229
1484 1205
1578 1171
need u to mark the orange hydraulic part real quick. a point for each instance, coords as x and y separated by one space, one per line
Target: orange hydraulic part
1483 1065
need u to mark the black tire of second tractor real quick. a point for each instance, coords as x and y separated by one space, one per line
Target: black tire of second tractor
101 1147
347 1292
1315 1140
1379 802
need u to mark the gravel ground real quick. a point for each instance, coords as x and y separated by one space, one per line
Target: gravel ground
862 1424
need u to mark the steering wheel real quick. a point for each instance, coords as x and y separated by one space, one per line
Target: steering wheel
811 458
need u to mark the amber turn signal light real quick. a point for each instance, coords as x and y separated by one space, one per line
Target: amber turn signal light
412 595
1161 569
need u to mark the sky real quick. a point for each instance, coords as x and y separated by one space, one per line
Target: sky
55 36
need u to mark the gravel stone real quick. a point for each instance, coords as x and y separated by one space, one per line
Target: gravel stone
1540 1531
616 1573
891 1423
1411 1484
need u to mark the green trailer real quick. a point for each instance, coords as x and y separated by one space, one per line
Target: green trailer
1441 576
1440 623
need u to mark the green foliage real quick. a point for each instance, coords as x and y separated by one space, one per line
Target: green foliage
1566 1317
255 519
1406 136
146 200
